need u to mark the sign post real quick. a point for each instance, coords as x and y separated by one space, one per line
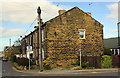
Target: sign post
29 49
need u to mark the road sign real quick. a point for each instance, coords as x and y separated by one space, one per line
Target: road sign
29 48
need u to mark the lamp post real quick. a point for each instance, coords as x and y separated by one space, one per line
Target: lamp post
40 40
80 55
10 50
118 34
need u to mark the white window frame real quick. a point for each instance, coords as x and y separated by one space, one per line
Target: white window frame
84 33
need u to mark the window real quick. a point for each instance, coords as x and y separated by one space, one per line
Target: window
82 33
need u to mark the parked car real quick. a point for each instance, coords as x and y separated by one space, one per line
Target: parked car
4 59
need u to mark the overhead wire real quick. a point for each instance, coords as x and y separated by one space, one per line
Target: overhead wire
34 21
26 30
30 26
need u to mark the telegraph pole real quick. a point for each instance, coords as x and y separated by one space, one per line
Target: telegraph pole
40 39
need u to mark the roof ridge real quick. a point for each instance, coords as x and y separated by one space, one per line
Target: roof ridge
63 13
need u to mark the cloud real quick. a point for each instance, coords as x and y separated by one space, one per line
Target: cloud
24 12
84 0
6 32
114 11
116 30
64 0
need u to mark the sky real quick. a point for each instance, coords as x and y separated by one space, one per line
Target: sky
18 17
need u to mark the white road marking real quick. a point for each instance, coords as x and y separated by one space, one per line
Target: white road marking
94 72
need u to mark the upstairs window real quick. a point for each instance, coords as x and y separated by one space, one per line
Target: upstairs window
82 34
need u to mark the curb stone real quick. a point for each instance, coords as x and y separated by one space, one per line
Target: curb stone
67 72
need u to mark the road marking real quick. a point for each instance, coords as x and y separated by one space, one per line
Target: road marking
95 72
23 75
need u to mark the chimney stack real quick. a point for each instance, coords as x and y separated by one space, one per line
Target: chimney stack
61 11
36 27
89 13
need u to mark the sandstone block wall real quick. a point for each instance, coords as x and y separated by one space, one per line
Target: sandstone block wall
63 42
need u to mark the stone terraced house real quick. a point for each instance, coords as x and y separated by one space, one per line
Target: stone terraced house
66 36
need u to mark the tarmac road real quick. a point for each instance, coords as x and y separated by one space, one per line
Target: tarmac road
8 71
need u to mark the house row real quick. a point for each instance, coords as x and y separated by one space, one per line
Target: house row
67 38
112 44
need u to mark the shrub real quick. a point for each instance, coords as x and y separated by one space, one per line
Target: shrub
85 64
46 65
107 51
12 58
37 58
68 68
91 68
35 67
32 67
76 68
33 62
22 61
77 63
106 61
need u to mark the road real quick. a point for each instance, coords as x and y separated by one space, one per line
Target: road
8 71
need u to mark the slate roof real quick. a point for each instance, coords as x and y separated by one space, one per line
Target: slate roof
111 43
59 16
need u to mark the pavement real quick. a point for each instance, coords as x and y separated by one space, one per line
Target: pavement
86 71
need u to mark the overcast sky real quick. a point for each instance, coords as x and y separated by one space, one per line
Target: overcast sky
17 15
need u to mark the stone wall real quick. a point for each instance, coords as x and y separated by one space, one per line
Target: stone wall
62 38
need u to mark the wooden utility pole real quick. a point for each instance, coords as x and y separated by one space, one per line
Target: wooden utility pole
40 39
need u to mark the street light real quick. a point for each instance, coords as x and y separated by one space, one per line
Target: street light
118 34
39 11
80 55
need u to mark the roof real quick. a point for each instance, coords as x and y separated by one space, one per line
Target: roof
61 15
71 10
111 43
